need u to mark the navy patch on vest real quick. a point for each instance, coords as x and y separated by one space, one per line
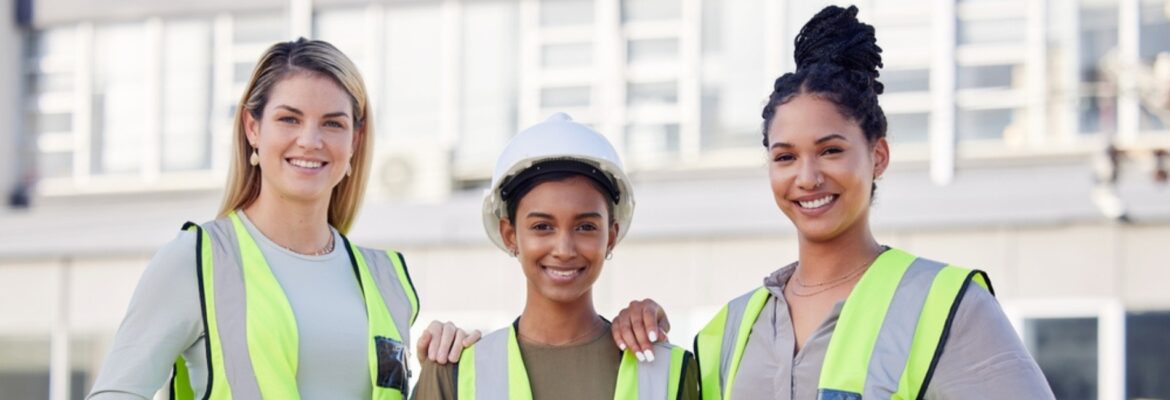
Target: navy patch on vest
393 372
831 394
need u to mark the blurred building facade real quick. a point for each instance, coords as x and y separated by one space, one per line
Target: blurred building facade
115 124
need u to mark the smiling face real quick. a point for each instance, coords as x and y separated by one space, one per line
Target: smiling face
822 168
305 137
562 233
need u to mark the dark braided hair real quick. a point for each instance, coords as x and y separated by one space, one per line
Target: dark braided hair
837 59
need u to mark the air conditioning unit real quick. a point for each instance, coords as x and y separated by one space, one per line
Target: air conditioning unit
410 170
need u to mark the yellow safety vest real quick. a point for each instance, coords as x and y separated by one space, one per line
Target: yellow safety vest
900 293
237 289
493 369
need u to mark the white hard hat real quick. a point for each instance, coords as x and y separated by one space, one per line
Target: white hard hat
550 144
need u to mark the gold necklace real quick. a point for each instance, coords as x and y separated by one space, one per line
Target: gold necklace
794 292
832 283
572 341
323 251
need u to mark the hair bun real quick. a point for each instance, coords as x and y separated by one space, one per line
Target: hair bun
835 36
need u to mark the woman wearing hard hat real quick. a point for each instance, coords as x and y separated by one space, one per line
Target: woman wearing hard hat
271 300
559 203
851 318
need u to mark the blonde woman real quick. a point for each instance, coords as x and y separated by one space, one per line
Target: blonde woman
270 300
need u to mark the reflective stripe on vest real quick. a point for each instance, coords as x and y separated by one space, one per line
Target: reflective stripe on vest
493 369
238 289
887 340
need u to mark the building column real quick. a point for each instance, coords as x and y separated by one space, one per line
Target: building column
11 116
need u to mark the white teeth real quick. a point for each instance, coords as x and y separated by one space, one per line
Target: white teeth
561 274
305 163
818 203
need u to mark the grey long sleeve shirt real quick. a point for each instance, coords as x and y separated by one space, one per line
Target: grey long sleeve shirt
983 357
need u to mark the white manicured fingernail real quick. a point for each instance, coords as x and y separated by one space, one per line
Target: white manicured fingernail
622 346
649 355
653 336
641 358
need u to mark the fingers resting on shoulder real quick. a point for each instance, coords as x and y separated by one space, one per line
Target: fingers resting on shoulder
443 342
638 326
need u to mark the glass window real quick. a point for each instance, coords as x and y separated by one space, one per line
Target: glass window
908 128
564 97
50 122
346 30
186 76
52 82
264 28
413 71
255 32
1062 87
655 93
1098 111
489 95
991 31
52 42
49 86
1154 119
651 10
904 42
735 80
652 51
1066 350
905 80
1097 37
572 55
984 124
25 372
54 164
646 142
1155 21
118 95
1147 358
725 127
986 76
85 356
1155 51
566 12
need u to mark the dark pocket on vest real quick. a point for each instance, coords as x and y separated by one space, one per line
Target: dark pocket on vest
392 369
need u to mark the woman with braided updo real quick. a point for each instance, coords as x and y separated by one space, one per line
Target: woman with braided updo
851 318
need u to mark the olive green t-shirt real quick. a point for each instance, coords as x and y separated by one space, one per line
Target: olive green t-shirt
585 371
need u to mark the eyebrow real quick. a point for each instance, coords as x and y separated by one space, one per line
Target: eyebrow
819 141
291 109
294 110
538 214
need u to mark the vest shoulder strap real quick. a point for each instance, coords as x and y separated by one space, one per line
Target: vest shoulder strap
493 369
392 278
893 327
181 386
719 346
934 325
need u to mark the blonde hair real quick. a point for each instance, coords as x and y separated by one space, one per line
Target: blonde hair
278 62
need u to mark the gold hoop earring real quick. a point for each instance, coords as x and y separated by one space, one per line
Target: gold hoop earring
255 158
